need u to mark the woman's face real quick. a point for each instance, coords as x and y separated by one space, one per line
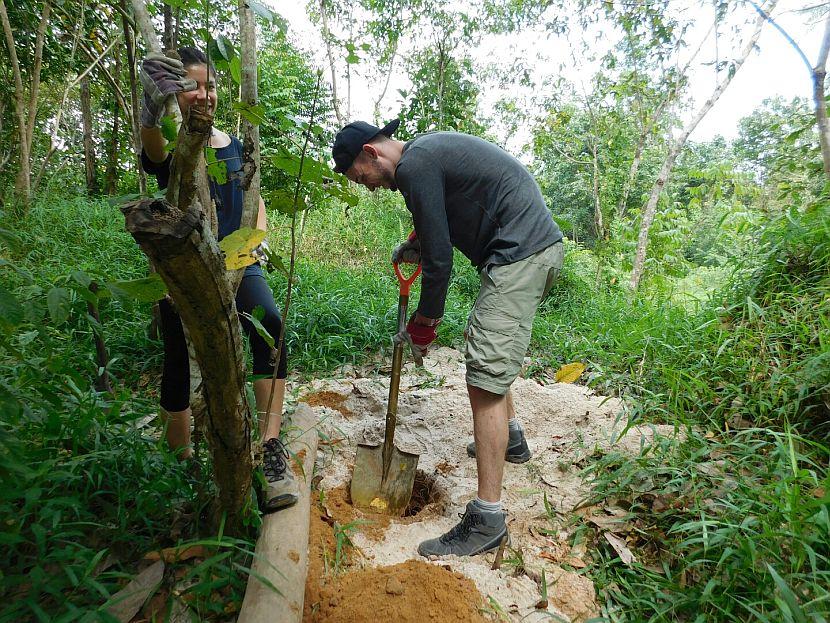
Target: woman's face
204 93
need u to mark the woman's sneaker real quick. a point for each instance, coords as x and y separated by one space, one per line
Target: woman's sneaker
476 533
517 450
282 490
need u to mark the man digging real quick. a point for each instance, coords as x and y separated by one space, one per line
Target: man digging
467 193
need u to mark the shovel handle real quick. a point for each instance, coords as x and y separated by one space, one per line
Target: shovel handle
406 282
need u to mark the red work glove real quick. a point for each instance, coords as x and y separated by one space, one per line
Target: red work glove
422 335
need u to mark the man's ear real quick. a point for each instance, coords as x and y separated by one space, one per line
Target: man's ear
371 151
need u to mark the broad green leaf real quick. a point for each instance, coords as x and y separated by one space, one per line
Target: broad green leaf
260 9
81 278
283 202
352 58
217 170
11 311
168 128
238 245
259 313
570 372
236 69
58 302
146 290
253 114
343 194
564 224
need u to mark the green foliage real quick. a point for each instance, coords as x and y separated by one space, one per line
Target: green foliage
443 95
737 528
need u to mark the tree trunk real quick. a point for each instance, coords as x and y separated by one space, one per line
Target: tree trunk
250 132
819 75
327 38
22 185
33 92
167 37
89 145
134 119
112 156
668 164
599 225
175 234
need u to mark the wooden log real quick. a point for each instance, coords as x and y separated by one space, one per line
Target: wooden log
282 547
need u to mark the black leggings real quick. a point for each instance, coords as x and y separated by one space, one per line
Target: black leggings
175 376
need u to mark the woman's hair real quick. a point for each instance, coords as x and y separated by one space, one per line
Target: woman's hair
193 56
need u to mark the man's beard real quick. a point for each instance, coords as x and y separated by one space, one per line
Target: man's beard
386 176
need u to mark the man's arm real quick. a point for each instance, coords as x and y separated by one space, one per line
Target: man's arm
421 181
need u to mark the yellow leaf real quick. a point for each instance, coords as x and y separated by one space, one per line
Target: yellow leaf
570 372
238 246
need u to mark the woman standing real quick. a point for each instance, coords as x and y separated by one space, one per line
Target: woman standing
193 83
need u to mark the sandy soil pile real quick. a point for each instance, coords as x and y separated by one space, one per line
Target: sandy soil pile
412 591
563 424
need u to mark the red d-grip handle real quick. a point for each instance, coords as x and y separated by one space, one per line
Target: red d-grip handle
405 283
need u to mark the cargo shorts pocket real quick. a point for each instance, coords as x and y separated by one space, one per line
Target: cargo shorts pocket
490 336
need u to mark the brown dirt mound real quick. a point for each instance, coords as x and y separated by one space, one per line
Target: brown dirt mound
413 591
329 399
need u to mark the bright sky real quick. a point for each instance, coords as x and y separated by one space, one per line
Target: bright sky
775 69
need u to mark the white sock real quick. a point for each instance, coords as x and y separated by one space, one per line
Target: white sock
513 425
487 507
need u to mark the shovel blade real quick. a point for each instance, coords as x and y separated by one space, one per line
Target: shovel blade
374 491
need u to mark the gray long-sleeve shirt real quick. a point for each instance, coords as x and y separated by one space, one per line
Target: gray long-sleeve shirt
467 193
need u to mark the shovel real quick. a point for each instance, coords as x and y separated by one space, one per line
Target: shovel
383 474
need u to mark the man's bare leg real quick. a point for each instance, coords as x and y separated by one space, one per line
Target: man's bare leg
483 527
178 432
490 415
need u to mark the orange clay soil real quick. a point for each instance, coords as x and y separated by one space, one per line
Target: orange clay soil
329 399
413 591
321 546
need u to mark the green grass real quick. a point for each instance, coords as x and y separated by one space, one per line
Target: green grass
82 481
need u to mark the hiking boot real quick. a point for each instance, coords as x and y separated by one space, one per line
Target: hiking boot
282 490
476 533
517 450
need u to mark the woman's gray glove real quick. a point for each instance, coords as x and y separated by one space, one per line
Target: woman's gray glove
161 76
408 252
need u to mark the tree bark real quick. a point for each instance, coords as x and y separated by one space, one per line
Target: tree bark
599 225
668 164
167 37
175 234
89 145
819 75
250 132
332 66
129 40
22 185
33 93
112 157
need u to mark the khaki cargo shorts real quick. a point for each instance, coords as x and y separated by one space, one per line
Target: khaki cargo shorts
498 330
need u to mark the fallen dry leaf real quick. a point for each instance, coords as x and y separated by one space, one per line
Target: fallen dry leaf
570 372
177 554
620 547
611 524
576 563
128 601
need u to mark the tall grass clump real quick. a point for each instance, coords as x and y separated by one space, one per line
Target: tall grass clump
87 486
730 519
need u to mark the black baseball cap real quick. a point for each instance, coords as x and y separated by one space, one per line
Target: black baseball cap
350 141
